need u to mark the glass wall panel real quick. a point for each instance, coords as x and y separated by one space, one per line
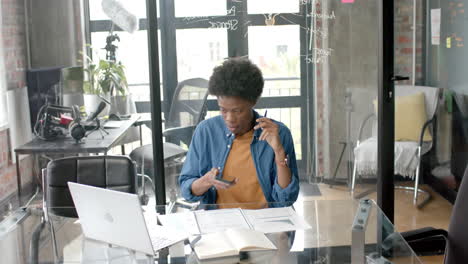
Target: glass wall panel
272 6
199 8
319 61
131 51
199 51
319 85
445 162
276 50
137 8
343 54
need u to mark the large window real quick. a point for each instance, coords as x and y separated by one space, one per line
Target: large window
199 50
194 39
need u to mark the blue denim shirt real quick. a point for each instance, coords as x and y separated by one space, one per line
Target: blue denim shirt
210 147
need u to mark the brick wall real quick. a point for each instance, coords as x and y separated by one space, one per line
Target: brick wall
404 39
15 54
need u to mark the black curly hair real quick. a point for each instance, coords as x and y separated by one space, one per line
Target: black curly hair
237 77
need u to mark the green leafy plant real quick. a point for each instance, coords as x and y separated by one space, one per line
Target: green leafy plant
105 77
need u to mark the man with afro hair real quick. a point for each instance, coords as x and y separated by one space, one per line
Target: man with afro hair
240 158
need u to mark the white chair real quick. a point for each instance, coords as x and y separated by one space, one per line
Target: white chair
408 154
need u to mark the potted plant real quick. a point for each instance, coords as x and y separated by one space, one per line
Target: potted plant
105 79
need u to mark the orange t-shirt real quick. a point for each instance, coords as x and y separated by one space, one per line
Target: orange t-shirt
240 165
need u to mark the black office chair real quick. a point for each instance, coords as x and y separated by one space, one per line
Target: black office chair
188 108
457 242
110 172
430 241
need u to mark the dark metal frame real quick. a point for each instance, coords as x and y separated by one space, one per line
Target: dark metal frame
386 110
155 96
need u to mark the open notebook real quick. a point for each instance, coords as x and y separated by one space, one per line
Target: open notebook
231 242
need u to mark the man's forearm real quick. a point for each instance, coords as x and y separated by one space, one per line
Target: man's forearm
200 186
282 169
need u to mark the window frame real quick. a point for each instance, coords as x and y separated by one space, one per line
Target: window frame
168 24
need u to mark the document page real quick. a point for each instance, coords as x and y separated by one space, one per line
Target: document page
231 242
219 220
271 220
185 222
249 240
215 245
163 236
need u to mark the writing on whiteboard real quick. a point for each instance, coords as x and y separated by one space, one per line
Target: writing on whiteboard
323 52
319 33
323 16
231 24
195 18
231 11
319 55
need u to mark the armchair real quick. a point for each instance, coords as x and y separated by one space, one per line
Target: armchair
413 140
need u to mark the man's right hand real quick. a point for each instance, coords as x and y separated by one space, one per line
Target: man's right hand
205 182
210 178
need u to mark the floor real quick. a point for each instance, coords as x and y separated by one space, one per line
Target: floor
435 213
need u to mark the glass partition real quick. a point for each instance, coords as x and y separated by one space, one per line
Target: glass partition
344 57
319 62
445 57
330 233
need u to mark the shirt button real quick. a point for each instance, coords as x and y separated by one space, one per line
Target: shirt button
227 135
228 146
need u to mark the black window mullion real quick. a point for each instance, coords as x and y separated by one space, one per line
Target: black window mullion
168 52
307 92
267 102
280 19
238 42
105 25
87 28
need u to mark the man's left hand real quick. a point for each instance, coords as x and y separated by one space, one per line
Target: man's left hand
270 133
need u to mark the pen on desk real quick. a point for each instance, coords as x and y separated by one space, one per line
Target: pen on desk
266 111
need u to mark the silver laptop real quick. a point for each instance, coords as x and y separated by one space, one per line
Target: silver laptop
117 218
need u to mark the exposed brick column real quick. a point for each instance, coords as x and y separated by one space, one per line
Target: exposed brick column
15 54
404 39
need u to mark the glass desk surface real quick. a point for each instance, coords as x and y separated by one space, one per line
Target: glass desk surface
340 233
